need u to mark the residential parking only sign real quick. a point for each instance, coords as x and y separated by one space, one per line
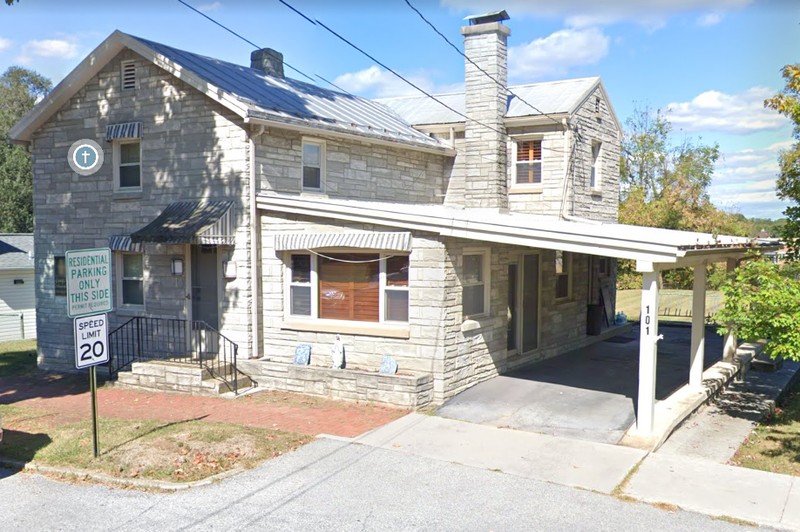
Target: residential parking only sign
88 282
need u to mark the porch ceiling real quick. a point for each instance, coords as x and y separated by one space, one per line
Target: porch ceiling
652 248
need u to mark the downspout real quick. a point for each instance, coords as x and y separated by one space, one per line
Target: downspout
255 265
567 154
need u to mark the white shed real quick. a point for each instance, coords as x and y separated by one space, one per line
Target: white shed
17 296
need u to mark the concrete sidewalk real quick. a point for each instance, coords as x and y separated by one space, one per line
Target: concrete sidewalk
577 463
685 472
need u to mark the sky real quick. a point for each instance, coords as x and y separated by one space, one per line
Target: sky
709 64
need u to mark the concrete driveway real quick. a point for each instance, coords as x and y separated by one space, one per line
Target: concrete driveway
588 394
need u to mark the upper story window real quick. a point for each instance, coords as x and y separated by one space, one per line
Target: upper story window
128 165
563 274
596 178
528 162
128 70
475 283
313 165
365 287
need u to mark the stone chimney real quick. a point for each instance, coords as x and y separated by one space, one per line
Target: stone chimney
485 44
268 61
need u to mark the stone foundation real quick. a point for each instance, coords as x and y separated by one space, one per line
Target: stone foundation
410 391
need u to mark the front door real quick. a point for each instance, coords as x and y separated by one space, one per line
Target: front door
205 285
513 314
530 303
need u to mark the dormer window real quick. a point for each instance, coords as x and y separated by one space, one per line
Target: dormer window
128 69
528 162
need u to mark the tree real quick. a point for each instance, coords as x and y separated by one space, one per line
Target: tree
787 103
20 89
762 301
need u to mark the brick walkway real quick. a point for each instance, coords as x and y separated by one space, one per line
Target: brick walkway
68 395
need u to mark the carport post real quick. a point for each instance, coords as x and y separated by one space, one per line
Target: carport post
729 349
698 327
648 349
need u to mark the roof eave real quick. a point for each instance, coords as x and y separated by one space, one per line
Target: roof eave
301 127
22 131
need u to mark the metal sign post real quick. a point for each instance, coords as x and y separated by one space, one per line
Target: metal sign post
91 349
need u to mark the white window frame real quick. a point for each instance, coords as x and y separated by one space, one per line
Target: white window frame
526 187
567 264
314 317
117 158
122 67
120 267
486 265
322 164
596 175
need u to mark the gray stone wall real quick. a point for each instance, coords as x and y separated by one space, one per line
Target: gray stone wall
602 204
192 149
353 170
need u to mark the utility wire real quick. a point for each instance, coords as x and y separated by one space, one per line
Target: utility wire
476 65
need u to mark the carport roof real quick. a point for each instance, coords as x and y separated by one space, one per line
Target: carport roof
652 248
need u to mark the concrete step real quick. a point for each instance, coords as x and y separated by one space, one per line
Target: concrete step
170 376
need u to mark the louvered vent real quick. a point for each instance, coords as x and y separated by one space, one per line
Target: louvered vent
128 75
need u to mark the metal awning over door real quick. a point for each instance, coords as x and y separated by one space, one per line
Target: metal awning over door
191 222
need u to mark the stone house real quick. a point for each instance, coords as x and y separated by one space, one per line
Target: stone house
463 235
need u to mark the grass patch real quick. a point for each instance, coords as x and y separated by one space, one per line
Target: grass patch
146 449
774 445
17 357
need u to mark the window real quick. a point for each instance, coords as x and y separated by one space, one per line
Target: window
528 165
131 279
366 287
60 275
475 285
563 274
128 165
128 70
313 165
596 177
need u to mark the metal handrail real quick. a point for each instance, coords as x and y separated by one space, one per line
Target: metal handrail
175 340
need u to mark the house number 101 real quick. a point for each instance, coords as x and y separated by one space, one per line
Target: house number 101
647 319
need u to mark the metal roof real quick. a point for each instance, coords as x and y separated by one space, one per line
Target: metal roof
290 99
551 97
190 222
16 251
645 244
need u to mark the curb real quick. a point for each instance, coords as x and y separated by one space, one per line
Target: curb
125 482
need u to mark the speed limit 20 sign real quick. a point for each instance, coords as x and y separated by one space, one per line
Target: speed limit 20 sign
91 340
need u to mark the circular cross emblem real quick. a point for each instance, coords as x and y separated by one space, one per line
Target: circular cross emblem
85 157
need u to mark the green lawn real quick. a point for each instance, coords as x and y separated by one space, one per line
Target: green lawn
775 444
674 305
17 357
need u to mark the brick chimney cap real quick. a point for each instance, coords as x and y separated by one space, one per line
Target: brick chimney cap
494 16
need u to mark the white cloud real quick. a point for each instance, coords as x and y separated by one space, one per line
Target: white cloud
5 44
557 53
58 48
745 180
375 82
214 6
709 19
582 13
714 111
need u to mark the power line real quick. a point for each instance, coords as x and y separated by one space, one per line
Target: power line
476 65
317 22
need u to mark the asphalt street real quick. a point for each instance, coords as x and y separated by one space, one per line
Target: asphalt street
333 485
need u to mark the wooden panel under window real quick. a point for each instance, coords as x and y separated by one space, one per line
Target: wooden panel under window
349 287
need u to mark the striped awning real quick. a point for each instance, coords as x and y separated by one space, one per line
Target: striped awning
191 222
123 243
375 240
127 130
